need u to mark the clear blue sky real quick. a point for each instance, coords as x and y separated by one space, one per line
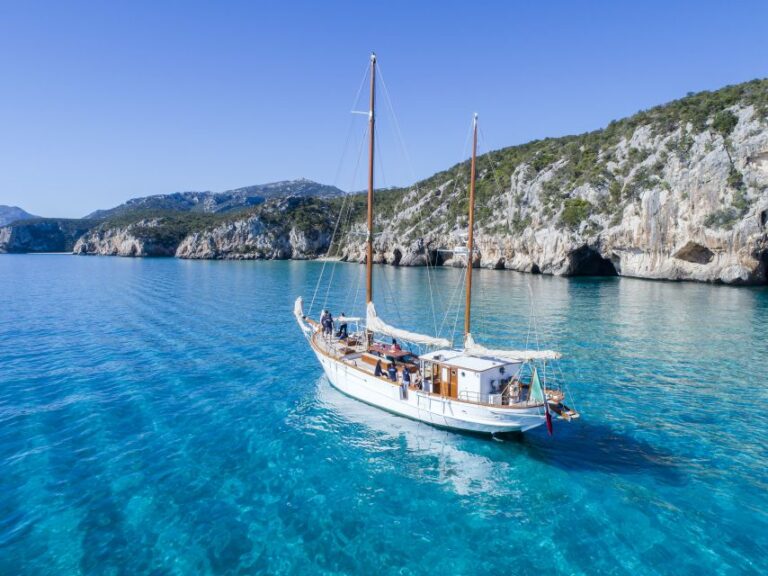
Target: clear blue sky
104 101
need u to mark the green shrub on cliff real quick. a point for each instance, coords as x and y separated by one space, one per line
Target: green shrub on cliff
575 211
724 122
723 218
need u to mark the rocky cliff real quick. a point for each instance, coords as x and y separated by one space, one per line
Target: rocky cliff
676 192
147 237
42 235
298 228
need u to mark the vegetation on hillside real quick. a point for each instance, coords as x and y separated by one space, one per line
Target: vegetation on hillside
590 159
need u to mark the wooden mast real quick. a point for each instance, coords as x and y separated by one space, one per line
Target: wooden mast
369 247
471 231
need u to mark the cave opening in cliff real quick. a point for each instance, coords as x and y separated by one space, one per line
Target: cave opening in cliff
397 255
435 257
762 257
587 261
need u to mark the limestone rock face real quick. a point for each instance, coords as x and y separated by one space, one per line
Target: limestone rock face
138 239
700 213
251 238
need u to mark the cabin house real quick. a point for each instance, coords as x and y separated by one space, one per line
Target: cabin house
472 378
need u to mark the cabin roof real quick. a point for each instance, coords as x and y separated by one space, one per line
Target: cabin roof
458 359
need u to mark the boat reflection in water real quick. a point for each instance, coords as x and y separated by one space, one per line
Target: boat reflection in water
463 471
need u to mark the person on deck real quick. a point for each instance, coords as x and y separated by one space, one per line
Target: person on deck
378 371
328 326
342 333
395 346
406 377
392 372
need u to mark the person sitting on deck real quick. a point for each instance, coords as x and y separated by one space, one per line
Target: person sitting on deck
395 346
392 372
378 371
342 333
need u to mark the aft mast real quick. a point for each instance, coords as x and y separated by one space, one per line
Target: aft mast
371 126
470 235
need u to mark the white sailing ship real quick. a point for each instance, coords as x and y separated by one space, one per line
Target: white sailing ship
470 388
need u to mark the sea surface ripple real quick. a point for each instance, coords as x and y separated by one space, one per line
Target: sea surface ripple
160 417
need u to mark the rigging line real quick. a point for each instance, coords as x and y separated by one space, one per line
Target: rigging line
453 301
404 150
379 160
459 170
420 227
336 180
447 308
325 262
489 155
392 297
351 125
457 178
348 222
338 248
398 132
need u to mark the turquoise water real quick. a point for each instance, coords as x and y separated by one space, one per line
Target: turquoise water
165 417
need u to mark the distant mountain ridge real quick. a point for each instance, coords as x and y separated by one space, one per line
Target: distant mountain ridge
220 202
10 214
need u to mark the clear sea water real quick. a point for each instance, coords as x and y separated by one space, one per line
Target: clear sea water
166 417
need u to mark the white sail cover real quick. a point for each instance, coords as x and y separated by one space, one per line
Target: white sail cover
474 349
376 324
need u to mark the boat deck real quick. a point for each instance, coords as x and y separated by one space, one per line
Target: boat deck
354 352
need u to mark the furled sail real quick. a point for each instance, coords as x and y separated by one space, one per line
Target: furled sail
474 349
376 324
